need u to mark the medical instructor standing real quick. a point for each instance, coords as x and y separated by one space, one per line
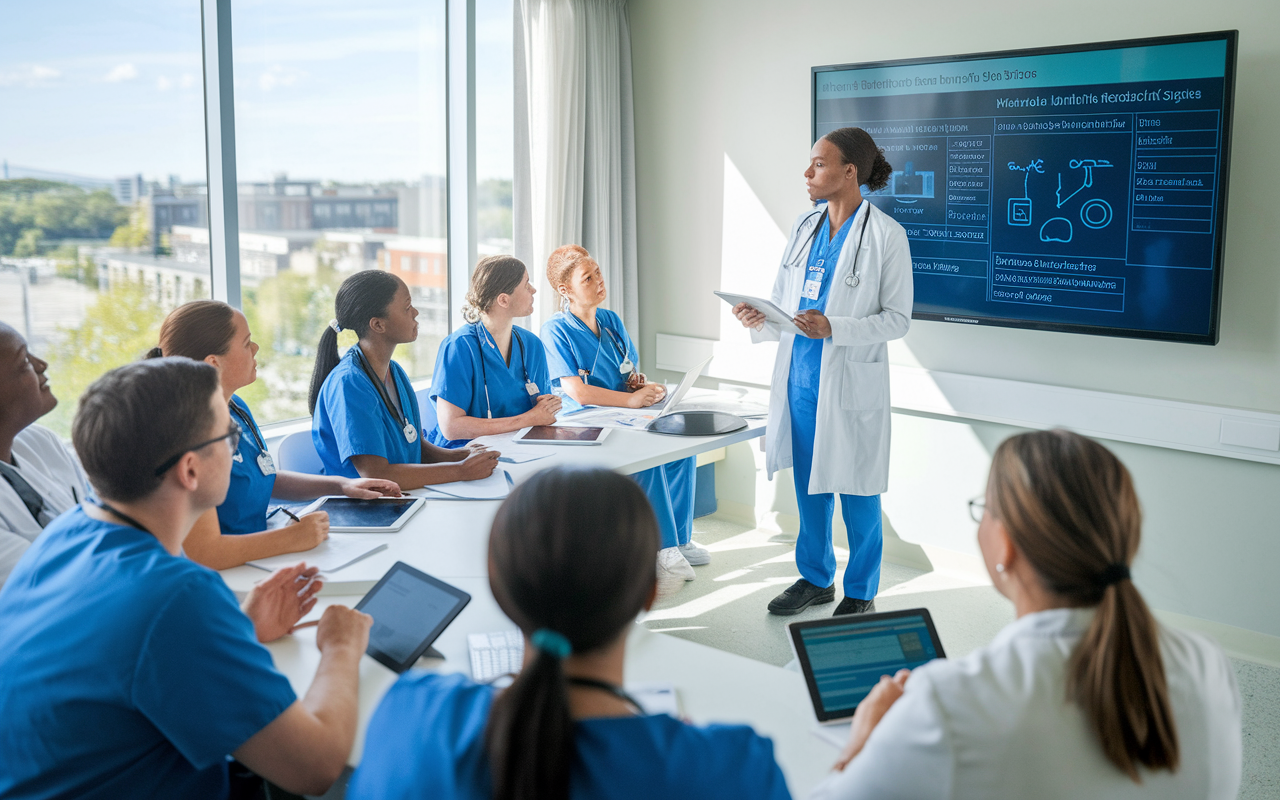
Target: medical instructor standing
847 268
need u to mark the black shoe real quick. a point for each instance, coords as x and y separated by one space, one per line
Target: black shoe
852 605
799 596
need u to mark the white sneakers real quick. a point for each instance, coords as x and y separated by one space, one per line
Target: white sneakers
695 554
673 571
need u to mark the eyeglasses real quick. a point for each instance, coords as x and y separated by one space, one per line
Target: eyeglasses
977 507
233 441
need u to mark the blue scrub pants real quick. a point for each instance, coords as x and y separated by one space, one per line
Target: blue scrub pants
815 554
670 491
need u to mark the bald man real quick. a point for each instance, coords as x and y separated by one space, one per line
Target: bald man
39 477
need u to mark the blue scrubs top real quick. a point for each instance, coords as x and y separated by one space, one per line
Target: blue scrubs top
460 375
124 671
824 255
426 739
245 509
571 346
351 419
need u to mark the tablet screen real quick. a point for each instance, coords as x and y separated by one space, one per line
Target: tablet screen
845 660
409 610
348 512
551 433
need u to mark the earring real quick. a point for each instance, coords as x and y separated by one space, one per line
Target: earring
999 567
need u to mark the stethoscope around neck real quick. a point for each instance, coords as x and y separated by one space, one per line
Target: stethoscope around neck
795 256
625 367
402 419
529 386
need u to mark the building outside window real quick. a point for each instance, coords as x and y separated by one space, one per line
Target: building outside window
102 168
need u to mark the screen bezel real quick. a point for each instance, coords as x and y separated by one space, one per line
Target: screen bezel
796 629
461 599
411 508
1224 172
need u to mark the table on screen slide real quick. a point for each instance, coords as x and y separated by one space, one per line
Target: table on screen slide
448 539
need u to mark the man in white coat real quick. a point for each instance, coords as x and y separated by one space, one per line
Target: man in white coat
847 269
39 477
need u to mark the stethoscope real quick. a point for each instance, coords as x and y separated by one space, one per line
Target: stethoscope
407 427
625 367
529 386
794 256
266 465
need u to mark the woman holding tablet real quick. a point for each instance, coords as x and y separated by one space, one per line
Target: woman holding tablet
847 268
364 413
565 728
1149 711
592 356
236 531
491 375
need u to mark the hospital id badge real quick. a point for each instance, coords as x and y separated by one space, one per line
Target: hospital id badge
811 290
531 388
265 464
410 433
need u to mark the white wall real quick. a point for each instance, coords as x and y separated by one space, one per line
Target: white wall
722 120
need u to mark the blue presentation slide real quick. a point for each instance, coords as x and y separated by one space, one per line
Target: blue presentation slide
1074 190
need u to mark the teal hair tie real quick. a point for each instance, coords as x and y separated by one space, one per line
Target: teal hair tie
552 643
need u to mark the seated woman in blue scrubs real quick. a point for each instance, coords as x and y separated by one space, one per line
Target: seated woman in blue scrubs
569 556
592 356
214 332
364 414
491 375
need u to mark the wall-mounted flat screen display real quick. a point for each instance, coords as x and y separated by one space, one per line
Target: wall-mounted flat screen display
1078 189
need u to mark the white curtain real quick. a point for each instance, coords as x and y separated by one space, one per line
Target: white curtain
575 144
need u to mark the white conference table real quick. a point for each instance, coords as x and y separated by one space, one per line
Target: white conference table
449 540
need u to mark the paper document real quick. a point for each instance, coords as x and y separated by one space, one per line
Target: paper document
514 454
655 698
836 735
338 551
771 311
494 487
610 417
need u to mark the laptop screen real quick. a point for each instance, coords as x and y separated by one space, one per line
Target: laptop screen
846 660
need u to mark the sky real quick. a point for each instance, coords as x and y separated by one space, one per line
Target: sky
325 89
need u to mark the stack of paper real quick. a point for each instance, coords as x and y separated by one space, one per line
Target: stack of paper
338 551
494 487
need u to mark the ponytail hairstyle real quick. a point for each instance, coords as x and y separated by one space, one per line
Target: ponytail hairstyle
494 275
197 330
561 264
858 148
360 298
571 562
1070 508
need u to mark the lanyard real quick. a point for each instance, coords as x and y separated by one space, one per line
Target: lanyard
401 419
133 523
529 386
616 691
248 424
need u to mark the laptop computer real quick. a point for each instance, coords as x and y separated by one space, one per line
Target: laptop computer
842 658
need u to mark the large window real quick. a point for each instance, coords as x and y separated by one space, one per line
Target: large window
340 150
102 164
495 145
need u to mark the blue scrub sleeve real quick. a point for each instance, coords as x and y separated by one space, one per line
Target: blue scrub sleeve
203 679
455 377
561 361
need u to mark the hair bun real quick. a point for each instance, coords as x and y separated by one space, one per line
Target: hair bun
154 352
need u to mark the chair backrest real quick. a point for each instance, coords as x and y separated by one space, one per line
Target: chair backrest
298 454
428 411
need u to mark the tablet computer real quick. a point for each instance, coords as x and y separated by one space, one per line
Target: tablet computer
767 307
562 434
410 609
374 515
843 657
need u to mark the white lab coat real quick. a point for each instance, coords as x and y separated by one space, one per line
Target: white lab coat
53 471
996 725
851 454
